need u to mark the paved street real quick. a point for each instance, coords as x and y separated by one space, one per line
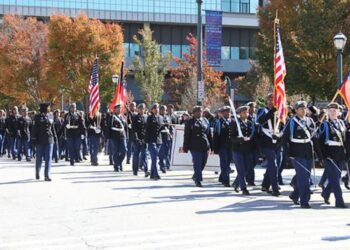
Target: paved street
89 207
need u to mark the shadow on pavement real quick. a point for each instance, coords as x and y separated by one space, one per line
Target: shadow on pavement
20 182
336 238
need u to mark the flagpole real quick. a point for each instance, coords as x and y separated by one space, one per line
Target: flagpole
274 72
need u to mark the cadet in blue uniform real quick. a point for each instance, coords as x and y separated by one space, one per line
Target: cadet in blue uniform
332 144
299 139
198 140
58 124
164 151
268 141
2 131
24 127
11 129
222 144
138 136
243 148
153 138
94 136
118 138
256 151
130 113
75 128
43 136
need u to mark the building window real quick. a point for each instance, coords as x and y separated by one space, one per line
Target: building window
225 52
176 50
134 49
243 53
234 53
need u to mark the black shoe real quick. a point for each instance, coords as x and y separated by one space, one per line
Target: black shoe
307 206
295 201
198 184
48 179
147 174
56 160
251 184
116 170
275 193
72 163
84 158
235 188
127 161
37 177
163 170
227 185
346 182
264 189
321 186
341 206
326 200
245 192
67 159
156 178
135 173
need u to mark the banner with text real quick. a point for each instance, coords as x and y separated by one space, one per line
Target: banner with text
213 37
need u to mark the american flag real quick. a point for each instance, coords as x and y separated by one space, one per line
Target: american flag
94 90
279 93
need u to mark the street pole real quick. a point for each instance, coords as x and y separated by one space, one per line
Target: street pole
199 51
62 104
340 71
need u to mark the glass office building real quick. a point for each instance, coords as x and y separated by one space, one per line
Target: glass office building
171 21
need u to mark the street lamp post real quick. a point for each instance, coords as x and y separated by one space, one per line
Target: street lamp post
199 53
339 41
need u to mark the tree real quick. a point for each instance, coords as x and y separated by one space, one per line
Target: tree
307 30
151 67
73 46
23 62
182 84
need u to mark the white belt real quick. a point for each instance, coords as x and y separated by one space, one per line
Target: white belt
165 131
334 143
72 127
117 129
300 140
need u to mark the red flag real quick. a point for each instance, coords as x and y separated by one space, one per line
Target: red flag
279 93
344 91
94 90
119 96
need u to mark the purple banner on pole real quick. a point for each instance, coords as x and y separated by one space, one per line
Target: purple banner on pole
213 37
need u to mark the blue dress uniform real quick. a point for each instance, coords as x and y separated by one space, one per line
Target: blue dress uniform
242 150
198 140
58 146
268 143
11 128
140 148
153 138
118 140
165 148
94 136
331 139
75 128
24 127
43 136
129 118
222 144
2 133
299 140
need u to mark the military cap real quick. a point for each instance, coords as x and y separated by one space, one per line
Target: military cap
141 105
251 104
196 109
73 105
170 106
241 109
118 106
270 95
162 107
225 108
155 106
43 106
300 104
333 105
314 110
24 109
206 110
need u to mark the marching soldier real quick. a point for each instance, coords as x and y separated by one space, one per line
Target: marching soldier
222 143
118 138
11 130
166 132
153 138
58 125
268 142
24 127
94 136
138 136
131 112
256 151
333 148
2 131
298 137
84 140
43 136
243 145
198 140
75 128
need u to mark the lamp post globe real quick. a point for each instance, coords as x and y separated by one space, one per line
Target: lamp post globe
339 41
